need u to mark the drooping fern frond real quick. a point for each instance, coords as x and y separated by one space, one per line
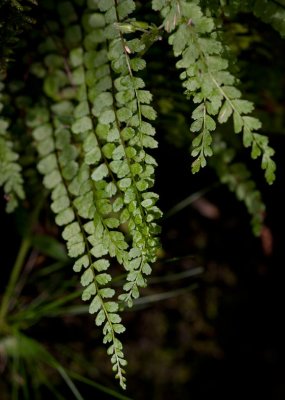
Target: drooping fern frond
70 153
61 175
210 83
11 171
238 179
92 133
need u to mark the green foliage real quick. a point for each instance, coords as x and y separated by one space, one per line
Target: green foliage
91 120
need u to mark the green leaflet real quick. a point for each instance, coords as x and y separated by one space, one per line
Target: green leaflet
80 193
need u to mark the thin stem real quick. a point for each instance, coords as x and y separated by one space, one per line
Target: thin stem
22 254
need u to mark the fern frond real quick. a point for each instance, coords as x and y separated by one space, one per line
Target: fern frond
67 141
92 143
272 12
121 106
142 203
11 171
59 166
238 179
269 11
207 79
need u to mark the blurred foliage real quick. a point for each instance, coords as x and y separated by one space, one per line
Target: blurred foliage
14 19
